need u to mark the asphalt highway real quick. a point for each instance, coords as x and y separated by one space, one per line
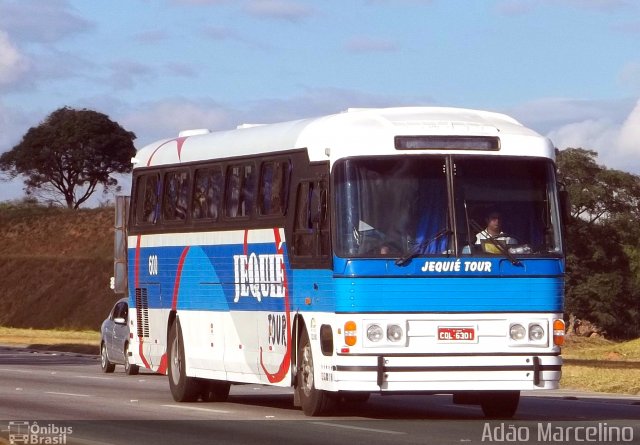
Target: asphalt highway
64 398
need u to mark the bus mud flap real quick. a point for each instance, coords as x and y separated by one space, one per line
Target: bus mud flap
381 370
537 370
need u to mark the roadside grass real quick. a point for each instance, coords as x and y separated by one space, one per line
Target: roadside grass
599 365
86 342
590 364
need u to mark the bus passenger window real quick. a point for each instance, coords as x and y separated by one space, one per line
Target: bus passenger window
240 194
207 194
303 233
311 226
176 192
274 186
147 196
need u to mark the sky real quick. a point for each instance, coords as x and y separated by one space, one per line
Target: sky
569 69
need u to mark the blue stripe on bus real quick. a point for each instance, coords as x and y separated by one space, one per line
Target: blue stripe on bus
449 295
208 282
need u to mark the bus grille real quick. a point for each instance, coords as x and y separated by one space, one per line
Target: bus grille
142 311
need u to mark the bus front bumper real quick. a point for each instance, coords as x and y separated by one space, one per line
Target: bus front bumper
442 374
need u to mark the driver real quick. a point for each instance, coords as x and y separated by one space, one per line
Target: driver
493 230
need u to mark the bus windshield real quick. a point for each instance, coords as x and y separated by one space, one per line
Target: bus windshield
446 206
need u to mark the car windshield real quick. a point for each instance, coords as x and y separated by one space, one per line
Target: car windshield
441 206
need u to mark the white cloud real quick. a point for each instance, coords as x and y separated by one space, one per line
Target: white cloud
126 74
41 21
617 141
13 64
628 142
164 119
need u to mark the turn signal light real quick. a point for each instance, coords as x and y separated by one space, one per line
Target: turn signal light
350 333
558 332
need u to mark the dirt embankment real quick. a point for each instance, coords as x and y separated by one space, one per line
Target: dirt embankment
55 266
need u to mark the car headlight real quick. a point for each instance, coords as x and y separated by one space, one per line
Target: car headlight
375 333
517 332
394 333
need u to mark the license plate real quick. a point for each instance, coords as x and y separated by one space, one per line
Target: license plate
457 334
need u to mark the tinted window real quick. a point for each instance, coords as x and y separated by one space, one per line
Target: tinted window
241 190
311 227
391 207
207 194
274 185
176 192
148 189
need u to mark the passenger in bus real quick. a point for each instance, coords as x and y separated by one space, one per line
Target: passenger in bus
199 203
213 194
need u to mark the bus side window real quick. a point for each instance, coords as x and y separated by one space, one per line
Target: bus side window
311 227
148 189
241 190
274 185
176 192
207 194
303 233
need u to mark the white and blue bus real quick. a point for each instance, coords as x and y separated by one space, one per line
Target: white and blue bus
350 254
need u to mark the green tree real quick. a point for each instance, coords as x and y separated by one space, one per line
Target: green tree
603 243
597 193
70 154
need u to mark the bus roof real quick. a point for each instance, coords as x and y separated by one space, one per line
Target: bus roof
355 132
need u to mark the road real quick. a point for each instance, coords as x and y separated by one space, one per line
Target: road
69 400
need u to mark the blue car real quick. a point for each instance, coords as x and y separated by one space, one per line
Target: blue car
114 344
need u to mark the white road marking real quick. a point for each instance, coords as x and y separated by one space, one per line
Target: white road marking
66 394
93 377
22 371
350 427
194 408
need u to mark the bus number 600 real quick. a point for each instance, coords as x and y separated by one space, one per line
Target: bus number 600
153 264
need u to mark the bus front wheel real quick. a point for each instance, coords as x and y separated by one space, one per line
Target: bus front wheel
313 401
183 388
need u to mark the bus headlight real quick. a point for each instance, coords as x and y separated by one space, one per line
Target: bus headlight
394 333
374 333
536 332
517 332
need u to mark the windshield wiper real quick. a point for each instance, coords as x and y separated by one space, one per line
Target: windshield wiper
417 250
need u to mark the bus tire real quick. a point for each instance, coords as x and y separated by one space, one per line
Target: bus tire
500 405
313 401
183 388
216 391
129 368
105 364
